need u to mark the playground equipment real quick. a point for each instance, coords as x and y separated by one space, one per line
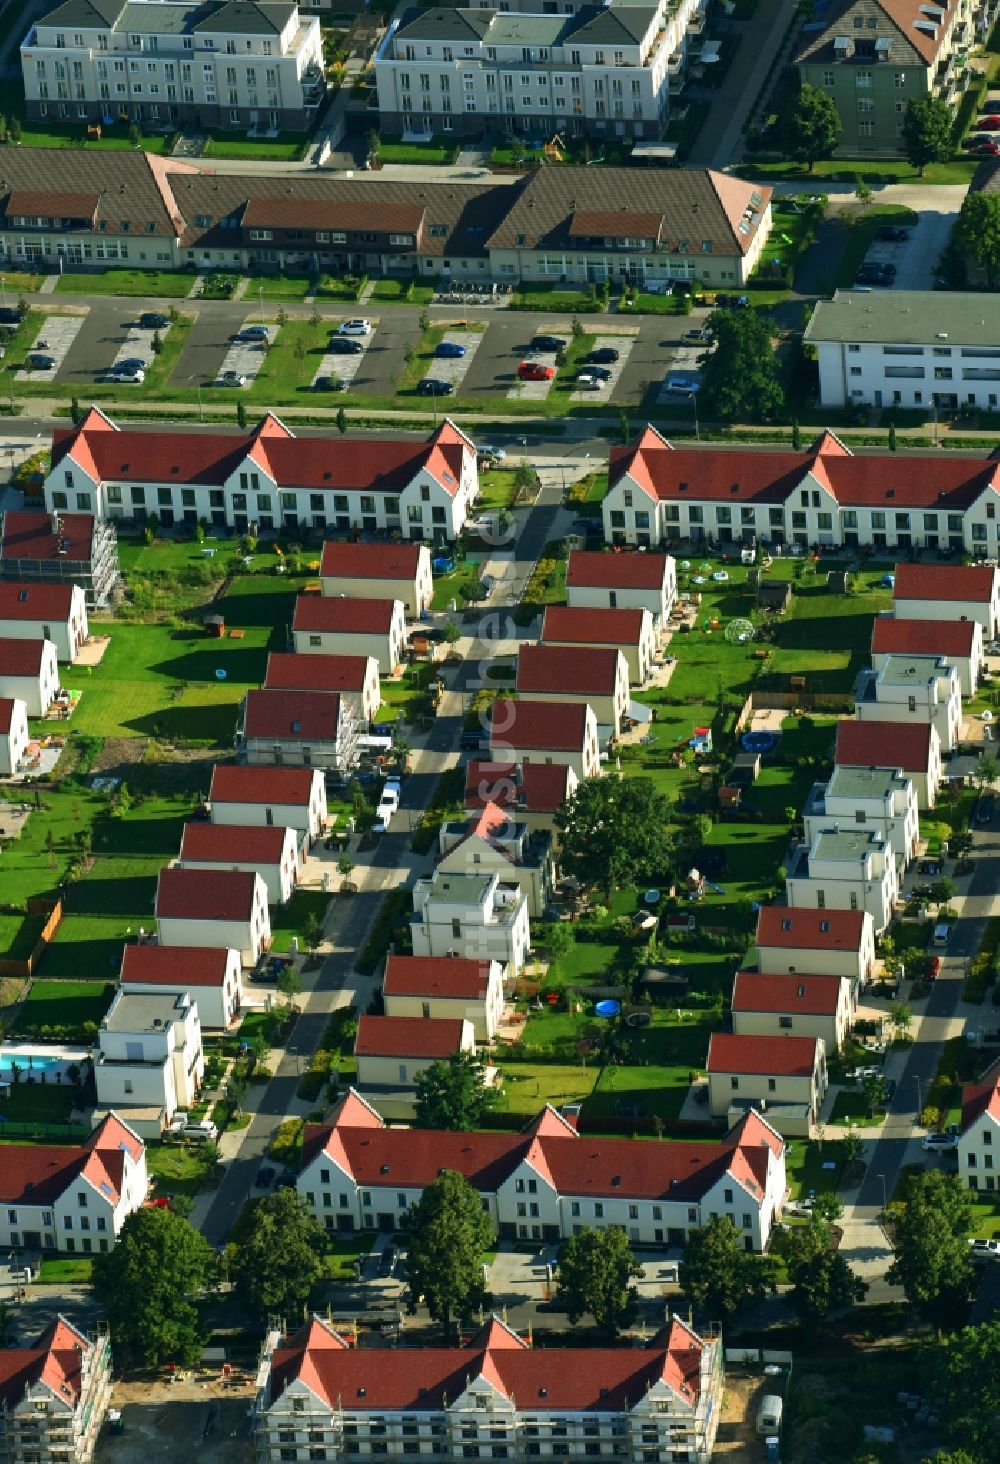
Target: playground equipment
739 631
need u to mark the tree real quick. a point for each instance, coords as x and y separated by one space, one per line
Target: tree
873 1088
796 435
76 412
863 191
517 152
156 344
448 1233
341 421
595 1268
824 1283
614 831
452 632
289 982
812 126
932 1262
927 132
943 890
277 1262
986 770
852 1148
560 938
827 1208
374 145
901 1015
135 134
740 378
717 1274
149 1287
450 1093
977 231
345 868
971 1384
241 416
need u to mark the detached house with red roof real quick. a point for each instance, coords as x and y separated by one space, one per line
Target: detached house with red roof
656 1402
601 581
13 734
825 496
558 675
523 732
958 642
911 749
266 478
979 1139
951 591
29 673
292 798
54 1394
341 627
272 851
392 1052
494 840
59 547
379 571
628 631
445 988
73 1199
223 909
57 613
212 975
531 792
817 942
783 1077
354 678
316 729
768 1005
548 1181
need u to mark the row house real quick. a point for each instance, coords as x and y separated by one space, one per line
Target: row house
148 1053
921 689
879 800
54 1394
524 732
72 1199
785 1077
442 988
602 581
213 976
61 548
267 480
293 798
223 909
52 612
270 850
379 572
563 675
392 1052
845 869
768 1005
29 673
355 679
495 1397
233 64
531 793
479 916
375 628
629 631
495 841
547 1182
824 497
316 729
910 749
817 942
949 592
959 642
14 736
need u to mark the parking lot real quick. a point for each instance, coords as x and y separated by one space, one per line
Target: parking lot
623 345
453 368
55 336
244 358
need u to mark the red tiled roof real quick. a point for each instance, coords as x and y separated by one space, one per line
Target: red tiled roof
576 1380
568 670
905 745
613 571
370 561
339 615
961 583
112 1136
51 603
451 977
30 535
205 894
236 783
980 1098
755 991
778 1057
286 669
175 965
408 1036
922 637
40 1173
587 627
536 725
207 843
534 788
819 930
21 657
6 713
56 1360
311 715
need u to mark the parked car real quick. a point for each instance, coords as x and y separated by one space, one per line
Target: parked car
203 1132
495 454
984 146
434 386
940 1141
450 350
933 967
253 333
700 336
40 362
535 371
153 320
890 1085
602 356
989 123
264 1176
992 105
550 343
984 1250
733 302
893 234
590 381
985 808
130 363
473 741
942 934
11 315
128 375
388 1261
328 383
355 327
232 378
682 384
344 346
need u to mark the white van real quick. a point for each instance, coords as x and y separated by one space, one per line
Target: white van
769 1414
202 1132
942 934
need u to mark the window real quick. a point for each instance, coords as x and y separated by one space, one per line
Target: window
828 78
862 79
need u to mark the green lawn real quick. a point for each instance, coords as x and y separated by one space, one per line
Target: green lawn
460 585
496 490
435 150
291 919
402 292
176 1170
871 170
343 1250
65 1271
162 284
547 297
287 147
408 698
61 1004
850 1107
529 1086
42 1103
278 287
805 1162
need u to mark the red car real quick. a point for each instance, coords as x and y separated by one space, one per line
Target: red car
986 146
988 124
933 967
535 371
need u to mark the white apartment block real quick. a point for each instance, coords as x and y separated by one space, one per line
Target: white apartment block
878 800
471 915
844 870
148 1052
250 65
913 689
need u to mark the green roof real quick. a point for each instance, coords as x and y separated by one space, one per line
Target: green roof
907 317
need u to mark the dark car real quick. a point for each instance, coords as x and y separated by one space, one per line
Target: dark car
603 356
10 315
130 363
548 343
264 1176
387 1261
153 320
344 346
328 383
889 1086
432 386
601 373
893 234
38 362
984 809
285 1181
473 741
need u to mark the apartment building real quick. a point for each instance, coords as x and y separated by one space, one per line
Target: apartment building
882 800
907 348
959 642
148 1053
825 496
267 479
495 1397
54 1395
913 689
248 65
844 869
874 57
546 1182
477 916
61 548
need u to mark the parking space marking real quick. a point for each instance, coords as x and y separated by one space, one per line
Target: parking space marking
534 391
138 344
55 336
623 345
453 368
343 364
246 357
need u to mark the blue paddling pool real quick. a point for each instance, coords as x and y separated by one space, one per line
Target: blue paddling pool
608 1008
759 741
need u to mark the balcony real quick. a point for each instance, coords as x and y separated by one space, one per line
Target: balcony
676 64
815 804
696 24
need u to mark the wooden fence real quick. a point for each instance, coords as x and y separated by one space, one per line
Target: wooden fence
52 910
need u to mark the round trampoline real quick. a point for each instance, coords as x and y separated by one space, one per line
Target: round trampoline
759 741
608 1009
